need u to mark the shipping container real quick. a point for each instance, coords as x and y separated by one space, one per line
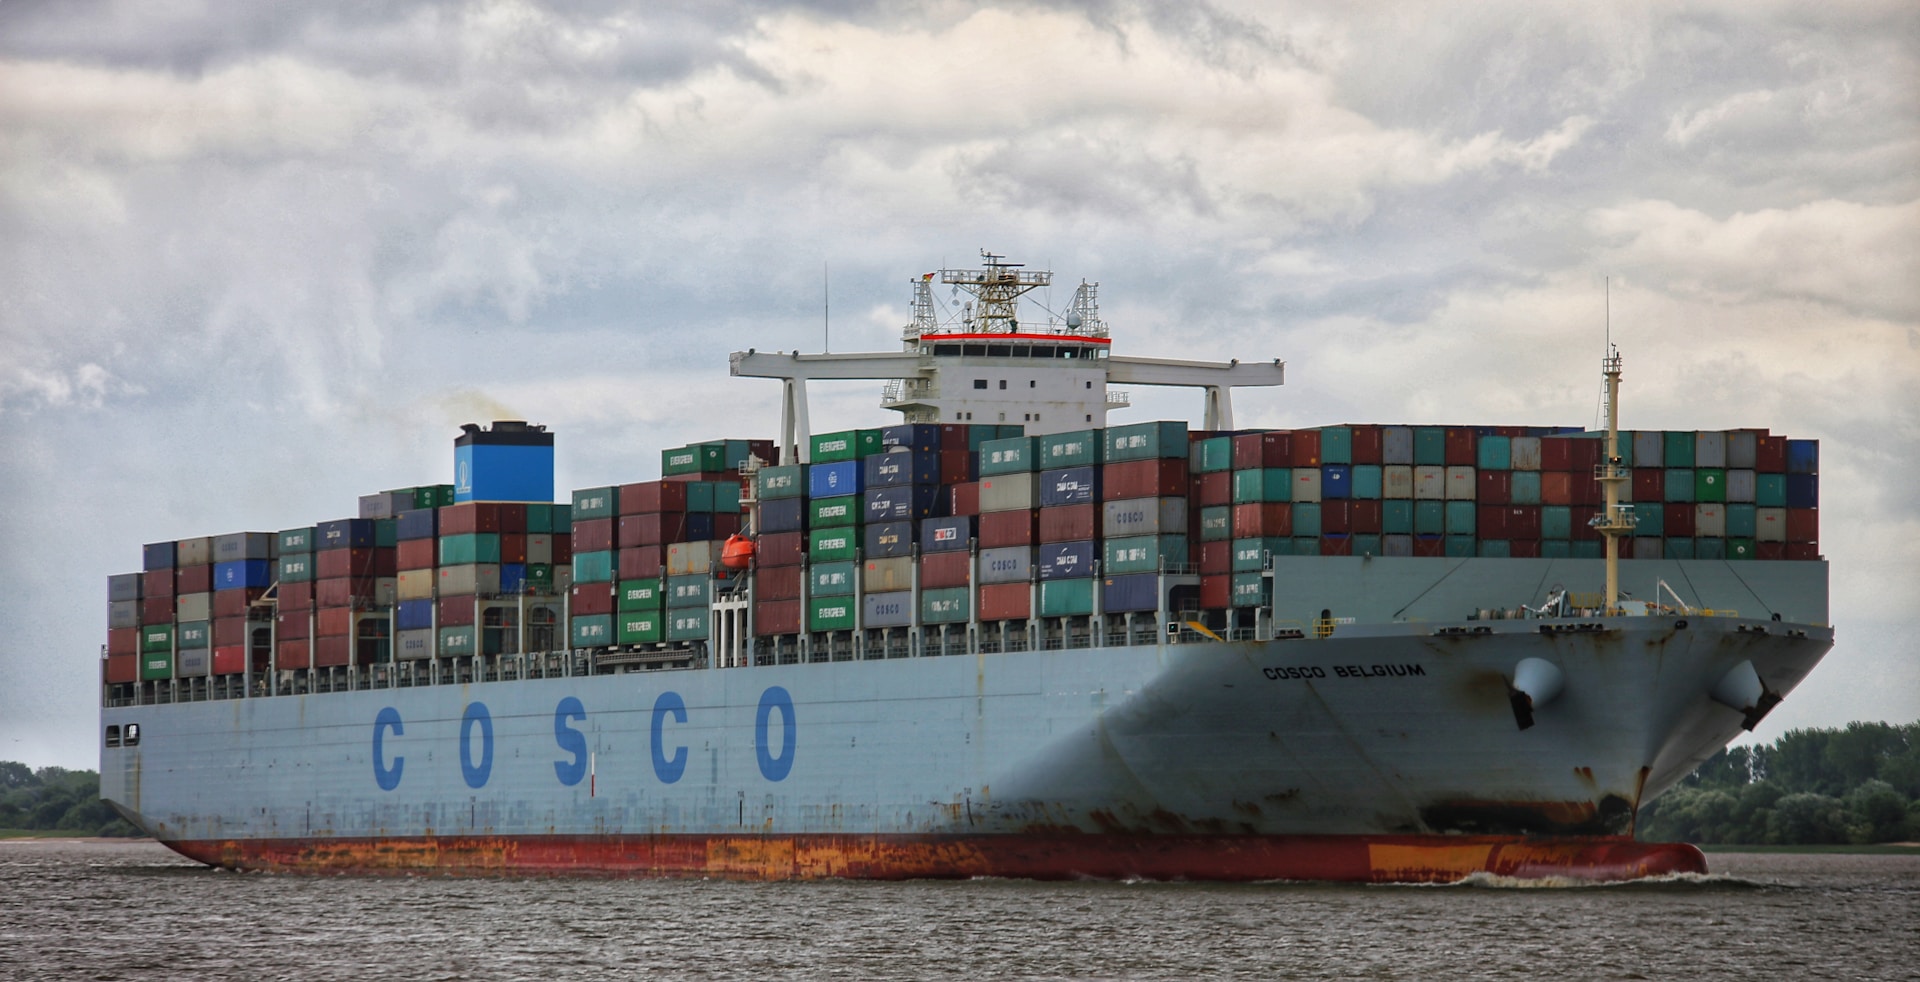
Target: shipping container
639 626
891 609
122 587
1008 564
945 606
902 503
944 569
779 483
1271 519
156 583
686 590
1262 451
1306 520
1067 523
897 468
589 631
1133 592
693 557
964 499
1009 492
832 579
1215 524
1066 560
1305 485
888 540
1262 485
945 534
1143 554
846 445
885 575
1210 455
1014 455
833 480
1070 486
1067 598
836 613
1080 448
157 555
833 544
238 546
1146 441
1144 516
346 533
1006 601
193 552
468 579
913 436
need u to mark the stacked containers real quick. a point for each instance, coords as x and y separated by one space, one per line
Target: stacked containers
124 592
353 567
1024 509
416 565
835 507
902 490
780 549
243 569
1144 513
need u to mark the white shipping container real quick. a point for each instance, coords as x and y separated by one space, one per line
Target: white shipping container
1144 516
1709 449
686 558
1010 492
193 607
468 579
414 584
1526 453
193 552
1710 521
1770 524
1430 482
1396 482
1008 564
887 575
413 645
1462 484
124 614
1305 487
1740 486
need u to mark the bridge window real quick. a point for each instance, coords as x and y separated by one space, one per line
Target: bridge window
979 383
130 737
1003 383
113 736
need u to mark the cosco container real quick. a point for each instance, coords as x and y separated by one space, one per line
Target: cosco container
238 546
1008 564
891 609
1144 516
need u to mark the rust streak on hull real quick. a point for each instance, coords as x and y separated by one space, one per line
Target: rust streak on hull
1337 858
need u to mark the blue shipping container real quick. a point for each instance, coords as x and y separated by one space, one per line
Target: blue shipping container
513 577
1336 481
1131 592
242 573
1065 560
157 555
906 503
783 514
1803 491
1803 457
503 471
835 480
1069 486
913 436
946 534
888 540
898 467
345 533
699 528
414 615
417 523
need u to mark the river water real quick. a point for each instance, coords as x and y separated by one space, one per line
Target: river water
104 911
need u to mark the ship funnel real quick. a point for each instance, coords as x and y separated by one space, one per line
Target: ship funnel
1536 681
1742 689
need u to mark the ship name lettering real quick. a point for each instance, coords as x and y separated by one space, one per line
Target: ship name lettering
1377 671
1280 673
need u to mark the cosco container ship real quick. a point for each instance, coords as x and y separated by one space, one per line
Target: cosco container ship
1002 637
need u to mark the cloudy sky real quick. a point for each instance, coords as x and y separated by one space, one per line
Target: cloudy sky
259 259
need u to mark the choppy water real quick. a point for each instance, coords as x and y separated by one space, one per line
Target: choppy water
88 910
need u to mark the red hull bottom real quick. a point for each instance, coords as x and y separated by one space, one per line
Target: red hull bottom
1338 858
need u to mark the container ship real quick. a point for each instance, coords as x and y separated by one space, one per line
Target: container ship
1001 637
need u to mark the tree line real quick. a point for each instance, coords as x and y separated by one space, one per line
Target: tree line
56 799
1859 784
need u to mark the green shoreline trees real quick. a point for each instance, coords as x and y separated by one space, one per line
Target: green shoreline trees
55 799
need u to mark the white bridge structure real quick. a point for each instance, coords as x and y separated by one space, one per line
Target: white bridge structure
986 367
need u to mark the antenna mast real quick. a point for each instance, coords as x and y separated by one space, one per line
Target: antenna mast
1617 520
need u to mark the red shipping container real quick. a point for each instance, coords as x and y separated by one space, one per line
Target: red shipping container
1770 454
1556 487
292 655
332 652
123 669
416 553
562 549
1161 478
651 529
123 641
732 475
1213 489
1586 455
1770 550
1069 523
939 570
353 562
1273 518
1429 545
1336 518
780 548
1649 484
475 516
1005 602
229 630
1336 545
641 563
953 436
1585 488
593 535
965 499
453 612
1367 444
1490 521
1366 517
1803 525
1523 524
1524 548
1305 449
956 466
1216 592
294 624
999 529
299 596
591 598
771 617
1463 447
156 610
1803 551
333 622
1216 558
1678 521
234 603
230 659
1253 451
157 583
193 579
1496 488
725 524
653 496
777 583
513 547
344 591
1582 518
1556 454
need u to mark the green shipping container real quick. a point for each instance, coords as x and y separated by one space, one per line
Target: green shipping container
156 637
1740 548
592 630
1461 546
1250 590
832 513
295 567
1009 456
1216 523
780 482
433 496
1396 517
592 503
834 544
195 634
832 579
593 567
1066 598
156 665
700 496
1710 484
466 640
1680 485
386 532
1430 446
1268 484
1146 441
946 606
1678 447
1079 448
1211 456
1495 548
696 458
639 627
1709 548
1367 545
1525 488
296 540
688 590
1770 490
1142 553
845 445
1677 549
1368 482
1496 453
1429 517
726 497
1649 519
1250 555
1460 517
831 614
1556 522
539 577
1741 523
688 624
471 547
1336 445
639 595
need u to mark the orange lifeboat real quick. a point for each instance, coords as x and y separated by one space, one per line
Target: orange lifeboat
737 553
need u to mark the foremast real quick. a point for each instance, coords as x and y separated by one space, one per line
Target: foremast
1617 520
